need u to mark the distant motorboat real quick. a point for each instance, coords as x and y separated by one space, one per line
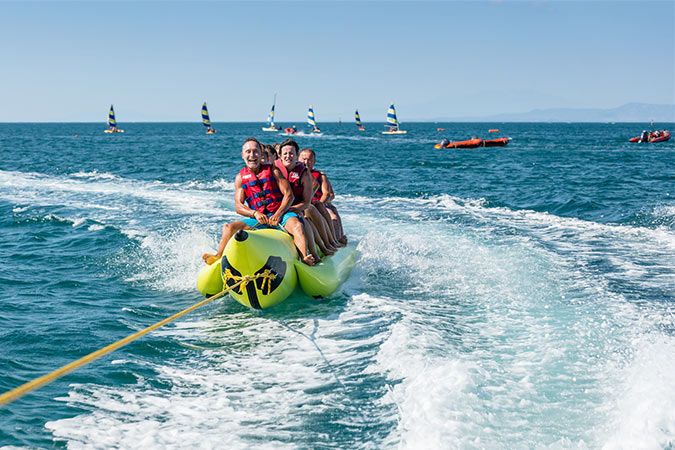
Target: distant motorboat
652 137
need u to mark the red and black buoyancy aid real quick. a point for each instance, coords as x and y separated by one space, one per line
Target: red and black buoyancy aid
294 178
261 190
317 195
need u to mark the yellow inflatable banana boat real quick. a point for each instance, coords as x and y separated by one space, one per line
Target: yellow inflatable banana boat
269 257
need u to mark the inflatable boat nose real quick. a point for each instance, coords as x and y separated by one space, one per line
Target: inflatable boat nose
241 235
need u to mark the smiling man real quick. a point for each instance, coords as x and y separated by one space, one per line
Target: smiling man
263 195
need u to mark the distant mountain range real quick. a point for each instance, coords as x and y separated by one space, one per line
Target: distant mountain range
630 112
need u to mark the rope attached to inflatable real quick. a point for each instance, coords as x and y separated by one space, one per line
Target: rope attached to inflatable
37 383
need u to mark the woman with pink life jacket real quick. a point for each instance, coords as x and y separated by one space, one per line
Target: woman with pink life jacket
323 195
303 188
264 196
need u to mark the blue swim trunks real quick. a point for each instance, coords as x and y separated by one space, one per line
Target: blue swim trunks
251 222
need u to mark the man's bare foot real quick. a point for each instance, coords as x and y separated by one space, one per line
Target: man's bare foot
310 260
209 259
338 244
343 240
329 251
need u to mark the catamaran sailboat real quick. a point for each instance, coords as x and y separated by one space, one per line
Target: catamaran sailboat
270 118
358 121
311 122
112 123
392 122
206 121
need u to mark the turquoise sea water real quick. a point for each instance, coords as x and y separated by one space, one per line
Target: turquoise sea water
515 297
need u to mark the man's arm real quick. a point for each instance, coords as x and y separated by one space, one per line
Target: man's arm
326 189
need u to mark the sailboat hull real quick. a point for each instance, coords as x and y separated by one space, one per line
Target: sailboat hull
395 132
271 129
111 131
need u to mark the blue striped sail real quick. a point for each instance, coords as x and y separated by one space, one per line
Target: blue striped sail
391 116
205 116
112 123
310 117
270 117
358 119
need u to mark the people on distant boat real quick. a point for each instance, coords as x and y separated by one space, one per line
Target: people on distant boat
644 136
294 128
303 188
444 143
264 196
316 130
323 195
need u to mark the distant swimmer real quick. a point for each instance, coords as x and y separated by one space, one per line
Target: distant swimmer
263 195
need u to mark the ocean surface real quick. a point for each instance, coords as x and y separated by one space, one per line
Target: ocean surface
509 297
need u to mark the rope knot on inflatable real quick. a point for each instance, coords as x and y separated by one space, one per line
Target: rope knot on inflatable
267 275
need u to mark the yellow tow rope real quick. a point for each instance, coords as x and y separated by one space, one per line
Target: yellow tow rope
22 390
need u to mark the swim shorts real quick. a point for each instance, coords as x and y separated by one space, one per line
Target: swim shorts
251 222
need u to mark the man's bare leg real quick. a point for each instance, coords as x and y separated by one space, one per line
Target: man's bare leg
313 236
321 225
337 222
295 228
228 231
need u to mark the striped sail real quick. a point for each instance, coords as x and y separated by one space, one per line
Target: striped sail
391 116
310 117
358 119
111 118
205 116
270 117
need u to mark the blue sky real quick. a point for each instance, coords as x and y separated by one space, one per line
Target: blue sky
158 61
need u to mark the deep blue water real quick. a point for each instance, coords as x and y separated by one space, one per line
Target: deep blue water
513 297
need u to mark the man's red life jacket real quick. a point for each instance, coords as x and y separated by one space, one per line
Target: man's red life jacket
261 190
294 178
317 195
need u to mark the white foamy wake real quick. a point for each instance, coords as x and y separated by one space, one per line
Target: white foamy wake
114 199
539 343
258 382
